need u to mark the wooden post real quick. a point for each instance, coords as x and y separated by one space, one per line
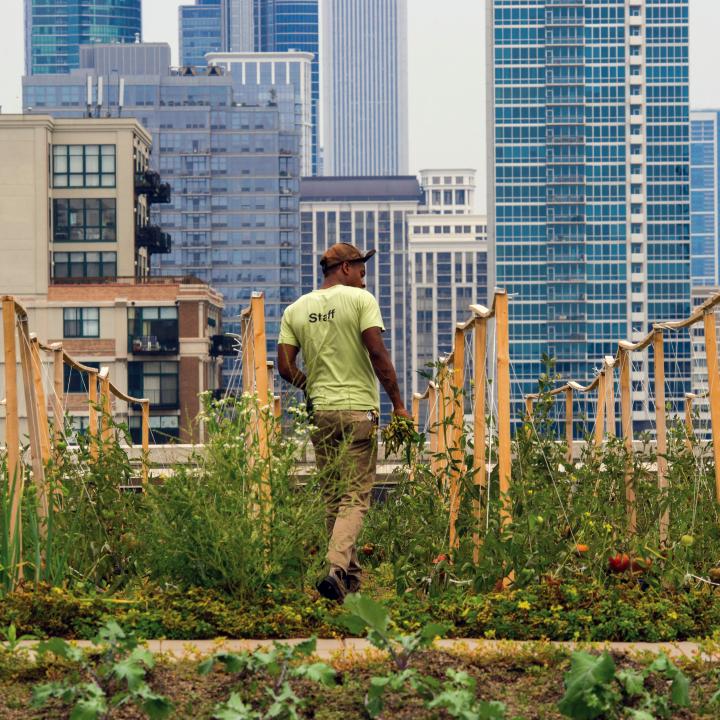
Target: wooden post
610 396
12 436
502 335
627 434
43 424
92 410
660 425
689 430
145 439
416 412
458 411
105 404
479 456
569 421
442 415
58 395
257 310
714 392
32 412
248 384
600 411
433 413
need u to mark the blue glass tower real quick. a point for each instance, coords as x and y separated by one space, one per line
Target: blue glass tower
704 187
283 25
589 181
55 30
200 31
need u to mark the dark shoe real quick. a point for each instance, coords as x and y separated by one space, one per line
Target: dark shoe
352 583
332 586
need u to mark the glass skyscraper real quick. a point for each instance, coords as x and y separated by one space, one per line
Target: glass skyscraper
283 25
55 30
200 31
704 187
589 207
365 87
229 145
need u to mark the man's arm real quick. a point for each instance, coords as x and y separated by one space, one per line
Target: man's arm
287 356
383 367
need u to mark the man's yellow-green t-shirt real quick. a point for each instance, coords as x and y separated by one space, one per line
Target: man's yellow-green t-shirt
327 325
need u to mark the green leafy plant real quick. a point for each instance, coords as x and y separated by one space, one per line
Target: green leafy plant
236 518
280 664
594 689
97 685
456 696
11 641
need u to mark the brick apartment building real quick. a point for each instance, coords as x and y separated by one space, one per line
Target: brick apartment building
76 250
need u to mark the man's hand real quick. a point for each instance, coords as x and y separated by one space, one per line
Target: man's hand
402 412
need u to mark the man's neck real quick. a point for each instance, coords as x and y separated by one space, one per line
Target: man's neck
330 282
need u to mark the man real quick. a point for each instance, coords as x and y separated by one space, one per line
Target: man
338 329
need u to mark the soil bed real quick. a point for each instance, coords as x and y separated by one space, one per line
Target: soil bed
529 681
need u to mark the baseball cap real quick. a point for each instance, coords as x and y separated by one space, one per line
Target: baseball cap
343 252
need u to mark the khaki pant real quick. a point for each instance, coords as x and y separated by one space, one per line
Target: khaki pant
345 445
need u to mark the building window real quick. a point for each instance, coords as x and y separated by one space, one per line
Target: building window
163 429
69 266
84 220
75 381
153 330
83 166
81 322
157 381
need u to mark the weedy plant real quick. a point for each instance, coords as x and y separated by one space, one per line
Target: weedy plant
456 695
97 685
595 689
237 518
280 663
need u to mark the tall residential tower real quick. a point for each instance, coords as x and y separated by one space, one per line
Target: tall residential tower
588 159
55 30
365 87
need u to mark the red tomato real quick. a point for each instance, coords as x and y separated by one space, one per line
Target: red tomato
640 565
619 563
581 549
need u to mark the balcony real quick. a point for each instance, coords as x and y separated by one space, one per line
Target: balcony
223 346
153 330
148 184
154 239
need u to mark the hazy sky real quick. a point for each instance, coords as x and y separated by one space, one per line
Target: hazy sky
447 72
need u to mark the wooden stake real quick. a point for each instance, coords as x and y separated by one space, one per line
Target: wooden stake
714 392
503 394
416 412
92 411
257 309
457 398
569 422
627 434
59 394
434 435
44 426
145 439
12 436
479 455
33 413
600 411
105 404
610 397
660 425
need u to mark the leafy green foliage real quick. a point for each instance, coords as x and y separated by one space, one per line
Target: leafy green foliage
209 523
594 689
280 663
93 686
